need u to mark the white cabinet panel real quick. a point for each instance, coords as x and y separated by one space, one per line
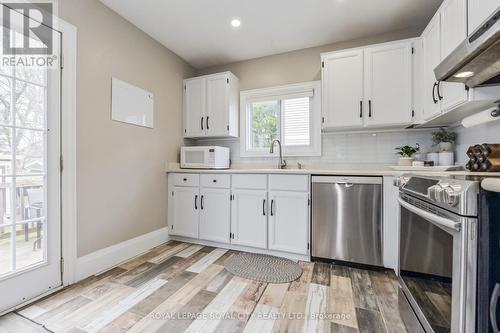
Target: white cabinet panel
388 84
249 218
289 183
186 179
432 57
342 79
217 105
211 106
215 214
185 211
453 32
391 224
216 181
479 11
289 221
194 107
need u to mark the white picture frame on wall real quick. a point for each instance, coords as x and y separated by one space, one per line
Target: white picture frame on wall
131 104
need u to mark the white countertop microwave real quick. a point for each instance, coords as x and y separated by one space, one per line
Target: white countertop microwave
205 157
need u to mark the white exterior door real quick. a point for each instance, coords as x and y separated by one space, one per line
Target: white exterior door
388 85
479 11
194 107
30 178
249 218
186 204
453 32
432 57
217 105
342 79
215 214
289 221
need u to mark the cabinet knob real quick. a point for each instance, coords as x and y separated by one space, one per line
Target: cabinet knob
215 180
185 179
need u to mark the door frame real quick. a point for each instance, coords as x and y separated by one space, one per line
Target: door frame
68 157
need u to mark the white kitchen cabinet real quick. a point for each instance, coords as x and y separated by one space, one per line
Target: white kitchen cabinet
447 29
342 80
184 215
390 224
431 39
479 11
249 218
369 87
194 107
211 106
289 221
388 85
215 214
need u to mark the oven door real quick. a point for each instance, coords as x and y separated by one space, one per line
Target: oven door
437 265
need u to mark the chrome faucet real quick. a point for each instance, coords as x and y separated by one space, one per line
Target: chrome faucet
282 162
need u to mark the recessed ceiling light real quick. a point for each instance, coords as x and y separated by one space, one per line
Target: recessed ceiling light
236 23
462 75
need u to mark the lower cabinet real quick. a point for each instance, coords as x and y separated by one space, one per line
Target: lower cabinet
249 218
289 221
185 210
215 214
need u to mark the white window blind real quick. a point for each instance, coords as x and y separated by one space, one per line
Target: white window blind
296 121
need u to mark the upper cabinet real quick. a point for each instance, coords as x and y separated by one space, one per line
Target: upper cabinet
479 11
369 87
447 29
211 106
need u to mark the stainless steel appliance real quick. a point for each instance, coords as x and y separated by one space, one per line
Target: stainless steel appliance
438 250
205 157
488 264
476 61
347 219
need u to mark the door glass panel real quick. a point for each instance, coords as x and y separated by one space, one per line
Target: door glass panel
5 94
29 244
426 267
5 249
30 151
6 161
29 105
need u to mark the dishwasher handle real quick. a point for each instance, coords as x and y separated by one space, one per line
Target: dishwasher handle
347 180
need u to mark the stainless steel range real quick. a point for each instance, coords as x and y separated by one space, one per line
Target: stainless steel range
438 250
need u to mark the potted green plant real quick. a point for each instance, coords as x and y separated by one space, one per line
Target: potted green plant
444 139
406 154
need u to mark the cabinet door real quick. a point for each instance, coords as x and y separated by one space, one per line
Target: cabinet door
217 116
388 85
342 79
215 214
249 218
453 32
479 11
289 221
194 107
185 211
432 57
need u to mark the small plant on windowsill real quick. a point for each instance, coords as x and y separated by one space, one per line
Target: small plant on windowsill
406 154
444 139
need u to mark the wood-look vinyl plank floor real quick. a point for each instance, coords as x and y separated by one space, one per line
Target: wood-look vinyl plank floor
178 287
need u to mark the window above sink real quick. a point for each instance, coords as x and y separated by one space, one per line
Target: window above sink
291 114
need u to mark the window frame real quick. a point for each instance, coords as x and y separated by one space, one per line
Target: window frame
273 93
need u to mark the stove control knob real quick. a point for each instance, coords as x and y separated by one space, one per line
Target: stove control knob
436 193
451 196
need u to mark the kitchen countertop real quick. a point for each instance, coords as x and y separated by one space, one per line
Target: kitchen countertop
325 169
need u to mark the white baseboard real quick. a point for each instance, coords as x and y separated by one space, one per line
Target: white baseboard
111 256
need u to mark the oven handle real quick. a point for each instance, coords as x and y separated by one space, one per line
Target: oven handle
431 217
493 308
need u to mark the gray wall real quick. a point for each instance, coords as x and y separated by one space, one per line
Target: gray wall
121 183
296 66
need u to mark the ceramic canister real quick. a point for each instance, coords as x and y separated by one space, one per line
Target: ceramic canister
446 158
434 157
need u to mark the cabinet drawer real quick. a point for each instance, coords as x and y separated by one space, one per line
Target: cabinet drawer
186 179
289 183
216 181
258 182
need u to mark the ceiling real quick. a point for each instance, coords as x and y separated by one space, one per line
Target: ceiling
200 32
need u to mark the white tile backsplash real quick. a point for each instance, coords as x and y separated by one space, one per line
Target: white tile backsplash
370 148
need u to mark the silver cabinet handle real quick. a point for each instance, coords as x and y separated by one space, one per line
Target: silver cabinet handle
493 308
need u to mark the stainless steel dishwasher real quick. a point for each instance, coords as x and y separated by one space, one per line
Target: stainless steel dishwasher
347 219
